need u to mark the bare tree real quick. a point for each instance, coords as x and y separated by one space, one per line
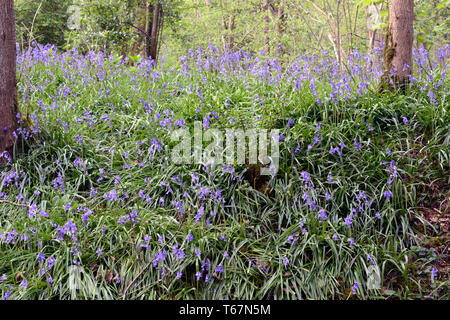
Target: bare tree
334 24
373 18
8 90
399 38
229 13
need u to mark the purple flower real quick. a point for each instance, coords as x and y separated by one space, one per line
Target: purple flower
291 240
405 120
355 287
330 178
351 241
7 295
190 237
371 259
50 262
111 196
388 195
219 268
200 213
178 253
348 220
41 257
24 283
79 139
3 278
434 273
99 252
322 215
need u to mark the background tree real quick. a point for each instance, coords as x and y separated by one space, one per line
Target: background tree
44 20
399 40
375 37
8 91
298 27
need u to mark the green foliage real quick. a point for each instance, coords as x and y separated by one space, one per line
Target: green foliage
115 25
432 22
47 19
307 26
94 131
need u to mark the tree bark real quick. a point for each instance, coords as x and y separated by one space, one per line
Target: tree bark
231 27
8 90
399 40
148 29
281 23
266 27
156 24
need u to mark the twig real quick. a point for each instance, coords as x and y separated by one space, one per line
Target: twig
15 203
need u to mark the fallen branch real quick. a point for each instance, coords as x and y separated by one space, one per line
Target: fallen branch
15 203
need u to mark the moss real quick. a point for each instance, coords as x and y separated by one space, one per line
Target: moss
388 56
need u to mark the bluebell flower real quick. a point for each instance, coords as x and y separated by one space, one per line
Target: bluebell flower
348 220
434 273
355 287
41 257
24 283
322 215
405 120
219 268
351 242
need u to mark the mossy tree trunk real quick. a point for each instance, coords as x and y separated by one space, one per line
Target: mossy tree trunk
397 52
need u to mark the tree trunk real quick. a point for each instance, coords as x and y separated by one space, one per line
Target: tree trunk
399 40
156 25
148 29
141 14
281 23
8 90
373 18
231 30
266 27
225 28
